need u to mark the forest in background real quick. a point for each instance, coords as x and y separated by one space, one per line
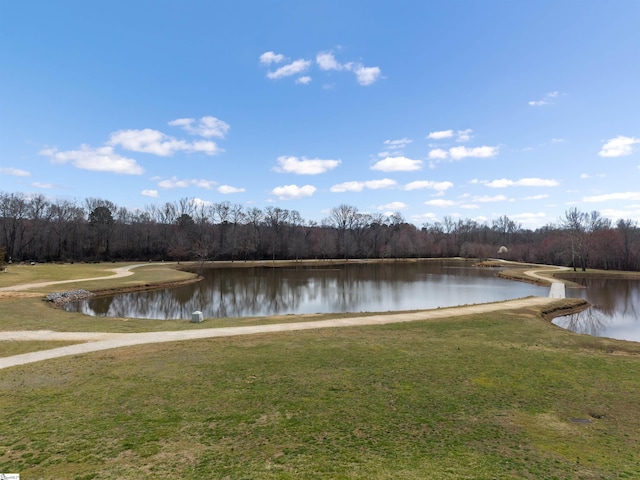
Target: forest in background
33 228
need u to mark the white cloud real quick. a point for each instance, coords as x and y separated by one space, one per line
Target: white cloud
394 206
396 144
15 172
537 197
632 213
378 184
292 68
227 189
200 202
326 61
545 100
293 192
523 182
101 159
206 127
438 154
204 146
174 182
157 143
305 166
440 203
348 187
150 193
147 141
267 58
538 103
439 135
585 176
398 164
367 75
532 219
487 198
469 206
458 153
420 184
464 135
461 135
42 185
619 146
359 186
626 196
201 183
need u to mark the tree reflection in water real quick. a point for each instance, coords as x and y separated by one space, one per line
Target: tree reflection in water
590 321
615 312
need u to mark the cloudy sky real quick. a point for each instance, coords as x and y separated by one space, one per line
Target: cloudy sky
461 108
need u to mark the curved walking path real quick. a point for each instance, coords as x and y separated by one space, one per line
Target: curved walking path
534 273
97 341
105 341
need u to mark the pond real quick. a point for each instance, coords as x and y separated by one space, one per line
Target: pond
364 287
615 312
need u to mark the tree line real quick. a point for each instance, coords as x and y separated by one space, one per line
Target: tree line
33 228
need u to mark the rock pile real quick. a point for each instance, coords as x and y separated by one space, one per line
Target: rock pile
71 296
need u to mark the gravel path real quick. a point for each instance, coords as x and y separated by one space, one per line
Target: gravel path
535 273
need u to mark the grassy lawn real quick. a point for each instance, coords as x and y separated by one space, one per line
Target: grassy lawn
46 272
505 395
150 274
499 396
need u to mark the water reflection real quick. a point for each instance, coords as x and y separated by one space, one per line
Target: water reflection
615 312
353 288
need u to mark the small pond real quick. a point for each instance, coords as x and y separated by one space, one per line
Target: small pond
246 292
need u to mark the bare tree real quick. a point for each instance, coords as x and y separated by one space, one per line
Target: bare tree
580 227
505 228
275 218
343 218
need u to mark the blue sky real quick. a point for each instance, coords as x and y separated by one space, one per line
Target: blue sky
461 108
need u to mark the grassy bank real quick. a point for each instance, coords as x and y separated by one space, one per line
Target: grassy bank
503 395
142 277
492 396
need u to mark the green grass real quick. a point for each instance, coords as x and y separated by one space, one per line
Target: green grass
487 396
46 272
150 274
484 396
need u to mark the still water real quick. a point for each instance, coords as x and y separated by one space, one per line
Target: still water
246 292
615 312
